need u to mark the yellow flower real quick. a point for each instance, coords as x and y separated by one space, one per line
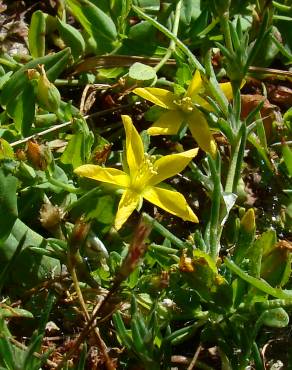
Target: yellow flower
144 174
183 109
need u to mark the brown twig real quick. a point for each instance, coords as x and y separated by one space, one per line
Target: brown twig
136 251
100 343
65 124
194 359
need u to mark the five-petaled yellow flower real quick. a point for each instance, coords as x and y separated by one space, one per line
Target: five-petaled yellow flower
143 174
183 109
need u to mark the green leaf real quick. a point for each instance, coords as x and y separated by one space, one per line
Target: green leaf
5 78
149 5
5 149
23 110
78 149
97 23
9 264
123 9
14 312
260 284
287 156
142 72
72 38
253 139
82 357
6 353
104 211
122 332
8 204
28 269
137 337
29 361
54 65
37 34
275 318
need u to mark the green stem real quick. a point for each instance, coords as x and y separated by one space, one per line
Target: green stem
257 357
209 27
254 308
260 284
282 7
171 47
240 155
62 185
164 232
215 208
9 64
196 174
192 59
88 195
232 168
65 82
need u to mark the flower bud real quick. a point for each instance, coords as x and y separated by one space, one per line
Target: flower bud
137 249
48 95
51 217
79 235
39 155
276 263
248 221
246 235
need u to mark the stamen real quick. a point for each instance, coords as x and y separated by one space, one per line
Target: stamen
144 173
185 104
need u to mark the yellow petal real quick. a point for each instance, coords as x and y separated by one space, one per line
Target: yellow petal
134 145
127 205
201 132
171 165
171 201
195 85
161 97
109 175
167 124
227 90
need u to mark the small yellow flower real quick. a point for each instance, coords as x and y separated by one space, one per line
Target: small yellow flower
144 174
183 109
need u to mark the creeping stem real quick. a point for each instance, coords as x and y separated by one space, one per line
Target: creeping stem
192 59
171 47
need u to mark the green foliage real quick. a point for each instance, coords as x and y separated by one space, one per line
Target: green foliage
8 204
160 285
37 34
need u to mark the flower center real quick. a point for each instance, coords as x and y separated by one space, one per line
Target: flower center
143 174
185 104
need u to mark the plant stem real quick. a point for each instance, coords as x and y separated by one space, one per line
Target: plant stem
171 47
67 82
237 152
62 185
101 345
192 59
164 232
9 64
95 191
215 208
196 174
